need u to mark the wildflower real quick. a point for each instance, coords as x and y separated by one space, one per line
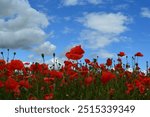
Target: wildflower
106 77
48 80
139 54
56 74
109 62
141 89
87 61
11 85
51 87
130 87
121 54
48 96
2 64
88 80
75 53
16 65
25 83
77 50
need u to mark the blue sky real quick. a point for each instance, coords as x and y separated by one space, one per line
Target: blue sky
102 27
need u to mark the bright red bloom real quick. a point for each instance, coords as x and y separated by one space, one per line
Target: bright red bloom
138 54
16 65
11 84
48 80
121 54
73 76
25 83
51 87
87 61
84 71
48 96
130 87
141 89
107 76
2 61
2 64
56 74
77 50
109 62
67 63
102 66
69 55
75 53
88 80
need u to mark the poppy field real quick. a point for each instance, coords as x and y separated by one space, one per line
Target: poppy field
75 80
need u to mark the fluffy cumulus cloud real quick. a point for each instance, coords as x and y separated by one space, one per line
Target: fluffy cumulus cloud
80 2
102 29
145 12
105 54
47 48
21 26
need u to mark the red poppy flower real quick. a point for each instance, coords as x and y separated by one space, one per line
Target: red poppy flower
67 63
11 84
138 54
2 61
69 55
88 80
87 61
51 87
107 76
48 96
130 87
2 64
16 65
48 80
121 54
77 50
56 74
75 53
109 62
25 83
141 89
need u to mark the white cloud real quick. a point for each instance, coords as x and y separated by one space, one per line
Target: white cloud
95 39
102 29
106 22
80 2
70 2
21 26
47 48
106 54
145 12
